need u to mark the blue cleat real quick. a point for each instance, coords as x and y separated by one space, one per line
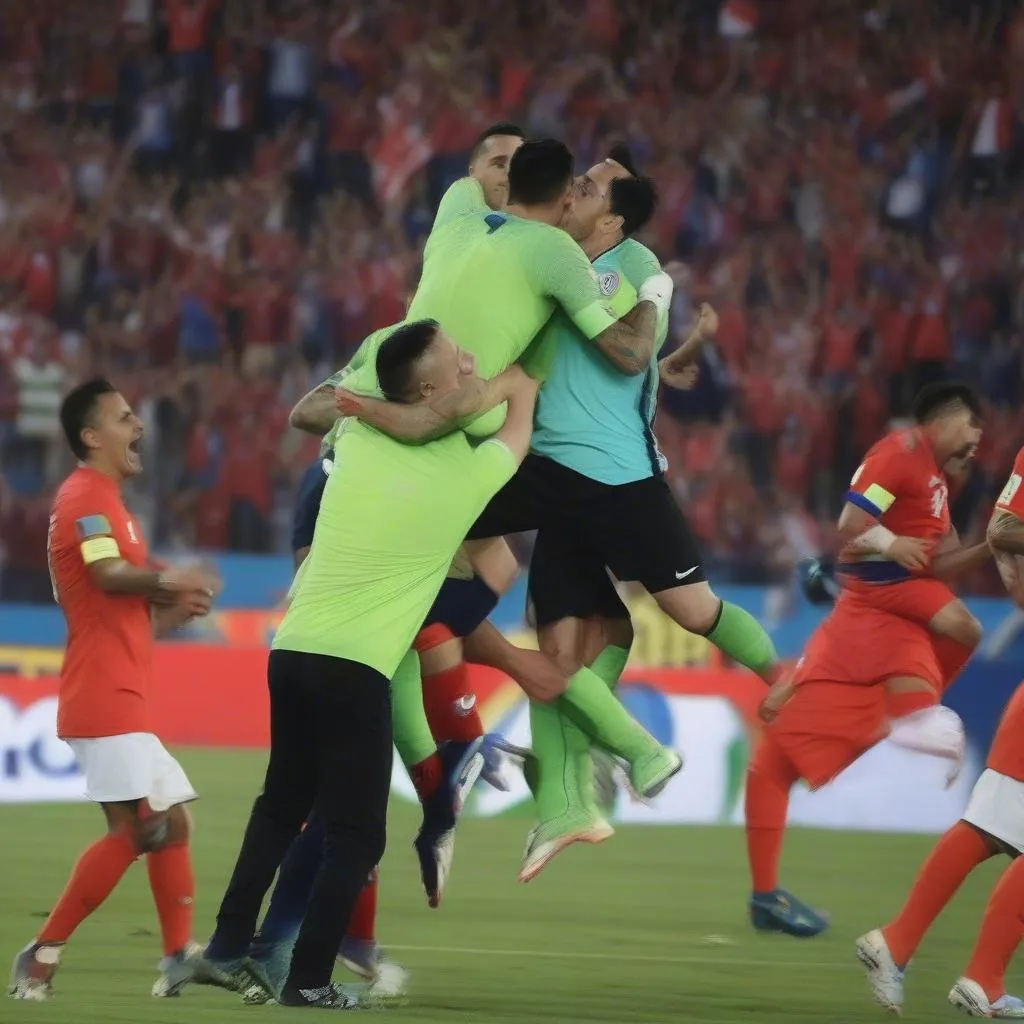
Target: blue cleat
462 764
778 911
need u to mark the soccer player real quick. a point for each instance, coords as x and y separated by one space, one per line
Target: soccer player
992 824
847 688
113 600
374 569
594 486
493 280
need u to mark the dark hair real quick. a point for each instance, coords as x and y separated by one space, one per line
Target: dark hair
397 356
634 200
935 400
539 172
501 128
77 409
622 155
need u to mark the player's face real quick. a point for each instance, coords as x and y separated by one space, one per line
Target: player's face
592 199
490 168
115 435
958 435
444 367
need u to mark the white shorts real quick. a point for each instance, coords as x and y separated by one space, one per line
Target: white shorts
997 807
134 766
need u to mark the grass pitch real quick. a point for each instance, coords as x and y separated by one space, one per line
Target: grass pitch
649 926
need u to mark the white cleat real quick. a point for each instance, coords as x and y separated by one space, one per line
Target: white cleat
969 997
548 839
176 971
389 988
32 972
884 975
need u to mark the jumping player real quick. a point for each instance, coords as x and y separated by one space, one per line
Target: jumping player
112 600
992 824
847 688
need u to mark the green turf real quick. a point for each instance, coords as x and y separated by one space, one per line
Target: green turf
650 926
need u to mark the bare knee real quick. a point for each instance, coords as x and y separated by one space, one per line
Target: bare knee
694 607
562 646
958 624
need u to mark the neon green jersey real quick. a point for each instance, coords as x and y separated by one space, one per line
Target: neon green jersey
492 280
391 518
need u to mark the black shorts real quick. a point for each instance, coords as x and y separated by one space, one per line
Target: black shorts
637 530
567 580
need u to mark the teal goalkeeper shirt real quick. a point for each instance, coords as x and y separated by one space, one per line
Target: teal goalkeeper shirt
590 417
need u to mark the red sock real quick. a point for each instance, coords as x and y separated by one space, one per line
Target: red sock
770 776
426 776
953 858
952 656
92 880
364 915
1002 928
450 704
173 886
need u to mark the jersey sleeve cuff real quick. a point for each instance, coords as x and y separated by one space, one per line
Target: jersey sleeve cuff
593 320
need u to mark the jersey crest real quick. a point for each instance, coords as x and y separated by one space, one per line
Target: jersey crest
608 282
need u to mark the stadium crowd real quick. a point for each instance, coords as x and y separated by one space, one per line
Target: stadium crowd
214 201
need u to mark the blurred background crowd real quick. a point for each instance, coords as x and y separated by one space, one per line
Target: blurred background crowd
213 201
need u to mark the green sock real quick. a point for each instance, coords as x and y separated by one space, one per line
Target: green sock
739 635
408 719
564 783
598 712
610 664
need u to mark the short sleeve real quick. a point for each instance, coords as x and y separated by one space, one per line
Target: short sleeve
493 466
466 196
1011 498
562 271
876 484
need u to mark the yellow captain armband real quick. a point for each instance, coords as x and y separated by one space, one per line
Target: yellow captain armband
95 549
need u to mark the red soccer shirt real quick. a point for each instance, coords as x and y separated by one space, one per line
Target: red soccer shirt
1007 753
900 484
108 660
1012 499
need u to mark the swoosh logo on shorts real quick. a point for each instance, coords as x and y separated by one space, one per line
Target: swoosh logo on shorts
683 575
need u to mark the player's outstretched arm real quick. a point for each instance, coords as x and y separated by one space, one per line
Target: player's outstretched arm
521 394
419 422
116 576
536 673
676 369
952 560
315 412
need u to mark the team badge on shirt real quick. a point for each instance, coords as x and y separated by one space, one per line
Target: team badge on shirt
608 283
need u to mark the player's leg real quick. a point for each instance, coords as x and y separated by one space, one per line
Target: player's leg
351 735
96 873
568 585
276 819
981 991
644 537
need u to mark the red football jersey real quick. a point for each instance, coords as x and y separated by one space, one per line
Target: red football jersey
1012 499
108 660
900 484
1007 753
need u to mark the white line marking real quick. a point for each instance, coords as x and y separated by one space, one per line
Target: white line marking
725 960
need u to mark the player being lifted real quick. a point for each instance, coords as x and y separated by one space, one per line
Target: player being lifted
113 599
847 688
992 824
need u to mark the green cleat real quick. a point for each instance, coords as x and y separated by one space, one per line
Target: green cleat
549 838
650 774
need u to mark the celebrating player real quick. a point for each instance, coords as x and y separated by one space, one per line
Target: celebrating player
992 824
373 571
493 279
847 687
112 600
